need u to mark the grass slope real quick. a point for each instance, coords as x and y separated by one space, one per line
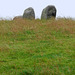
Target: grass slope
37 47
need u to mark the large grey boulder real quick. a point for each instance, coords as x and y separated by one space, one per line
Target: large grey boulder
29 13
49 12
18 17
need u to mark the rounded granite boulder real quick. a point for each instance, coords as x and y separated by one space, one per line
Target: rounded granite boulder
29 13
49 12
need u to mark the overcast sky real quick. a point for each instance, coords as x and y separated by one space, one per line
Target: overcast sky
11 8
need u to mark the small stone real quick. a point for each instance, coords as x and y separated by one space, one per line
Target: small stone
18 17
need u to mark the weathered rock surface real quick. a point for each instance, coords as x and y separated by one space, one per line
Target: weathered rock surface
29 13
18 17
49 12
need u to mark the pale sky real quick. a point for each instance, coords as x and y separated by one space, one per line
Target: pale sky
11 8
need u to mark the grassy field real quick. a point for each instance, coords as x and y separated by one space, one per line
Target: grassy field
37 47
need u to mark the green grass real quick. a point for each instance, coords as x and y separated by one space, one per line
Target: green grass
37 47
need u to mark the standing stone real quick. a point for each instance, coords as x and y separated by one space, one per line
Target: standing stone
29 13
18 17
49 12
